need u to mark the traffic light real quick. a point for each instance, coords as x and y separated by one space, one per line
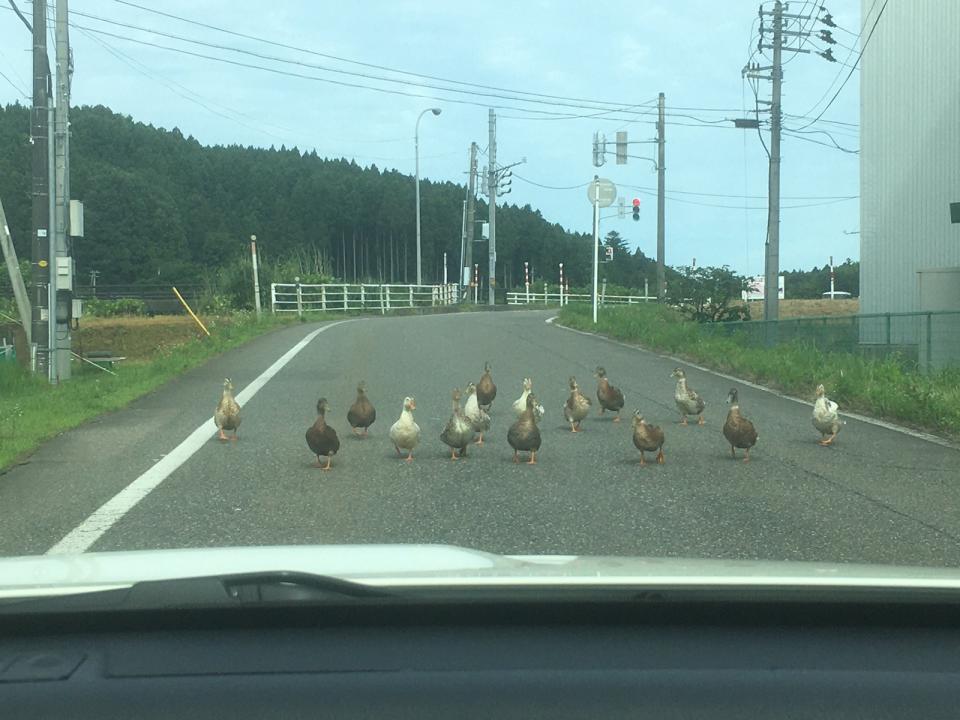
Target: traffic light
636 208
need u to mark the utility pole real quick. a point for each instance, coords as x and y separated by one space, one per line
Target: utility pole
61 260
492 189
471 208
40 190
778 33
771 293
661 205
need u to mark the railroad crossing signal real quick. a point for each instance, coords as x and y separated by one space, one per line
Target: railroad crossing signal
636 208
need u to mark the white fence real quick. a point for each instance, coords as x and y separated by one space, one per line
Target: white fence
300 298
555 298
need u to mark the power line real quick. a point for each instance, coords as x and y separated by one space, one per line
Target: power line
856 62
350 61
15 86
834 144
551 187
840 72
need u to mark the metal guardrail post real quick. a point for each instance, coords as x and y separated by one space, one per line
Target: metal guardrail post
929 341
363 297
383 310
410 287
388 297
323 297
889 338
273 298
345 297
299 301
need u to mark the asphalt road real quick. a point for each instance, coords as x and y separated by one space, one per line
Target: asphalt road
877 496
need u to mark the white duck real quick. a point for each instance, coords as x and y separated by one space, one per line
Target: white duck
405 433
826 417
520 404
477 416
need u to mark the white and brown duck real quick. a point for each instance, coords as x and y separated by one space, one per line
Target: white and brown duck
477 416
688 402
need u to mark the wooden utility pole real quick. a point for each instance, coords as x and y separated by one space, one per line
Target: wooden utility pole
471 209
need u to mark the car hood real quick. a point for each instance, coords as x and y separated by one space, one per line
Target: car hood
441 565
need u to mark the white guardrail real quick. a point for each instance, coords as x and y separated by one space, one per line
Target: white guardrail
300 298
547 298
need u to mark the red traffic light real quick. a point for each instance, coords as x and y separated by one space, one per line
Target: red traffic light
636 202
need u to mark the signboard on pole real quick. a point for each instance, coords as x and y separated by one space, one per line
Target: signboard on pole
757 289
608 192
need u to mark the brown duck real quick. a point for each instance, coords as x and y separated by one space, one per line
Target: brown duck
647 438
609 396
227 414
321 438
362 413
458 433
486 389
524 435
577 406
738 431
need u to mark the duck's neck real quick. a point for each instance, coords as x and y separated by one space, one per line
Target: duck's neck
321 420
682 384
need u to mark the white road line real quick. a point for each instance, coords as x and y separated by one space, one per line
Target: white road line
82 537
854 416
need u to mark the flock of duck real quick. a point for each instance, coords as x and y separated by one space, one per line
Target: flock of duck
469 422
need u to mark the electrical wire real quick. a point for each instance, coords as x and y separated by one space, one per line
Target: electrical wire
788 133
22 92
840 72
375 66
551 187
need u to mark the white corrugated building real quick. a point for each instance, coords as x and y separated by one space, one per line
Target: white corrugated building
909 151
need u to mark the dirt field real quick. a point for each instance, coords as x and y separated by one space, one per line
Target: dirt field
808 308
136 338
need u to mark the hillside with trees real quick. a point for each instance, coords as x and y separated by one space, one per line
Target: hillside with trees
162 208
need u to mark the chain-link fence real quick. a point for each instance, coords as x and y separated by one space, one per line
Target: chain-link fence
923 340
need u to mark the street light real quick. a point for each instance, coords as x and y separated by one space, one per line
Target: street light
416 153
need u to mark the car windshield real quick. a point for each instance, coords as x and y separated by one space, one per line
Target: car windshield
670 280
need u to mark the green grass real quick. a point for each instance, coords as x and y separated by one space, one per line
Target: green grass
32 410
884 388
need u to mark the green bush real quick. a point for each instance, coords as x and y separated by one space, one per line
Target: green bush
96 307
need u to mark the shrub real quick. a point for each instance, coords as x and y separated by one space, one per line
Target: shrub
96 307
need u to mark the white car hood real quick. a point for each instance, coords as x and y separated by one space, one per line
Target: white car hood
441 565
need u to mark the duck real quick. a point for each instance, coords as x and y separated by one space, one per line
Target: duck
577 406
826 417
459 432
609 396
486 389
647 438
477 416
738 431
520 404
227 414
688 402
361 414
321 438
405 433
524 435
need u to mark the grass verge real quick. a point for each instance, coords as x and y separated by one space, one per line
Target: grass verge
882 388
32 410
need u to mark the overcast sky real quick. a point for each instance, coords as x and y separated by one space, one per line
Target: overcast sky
621 53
